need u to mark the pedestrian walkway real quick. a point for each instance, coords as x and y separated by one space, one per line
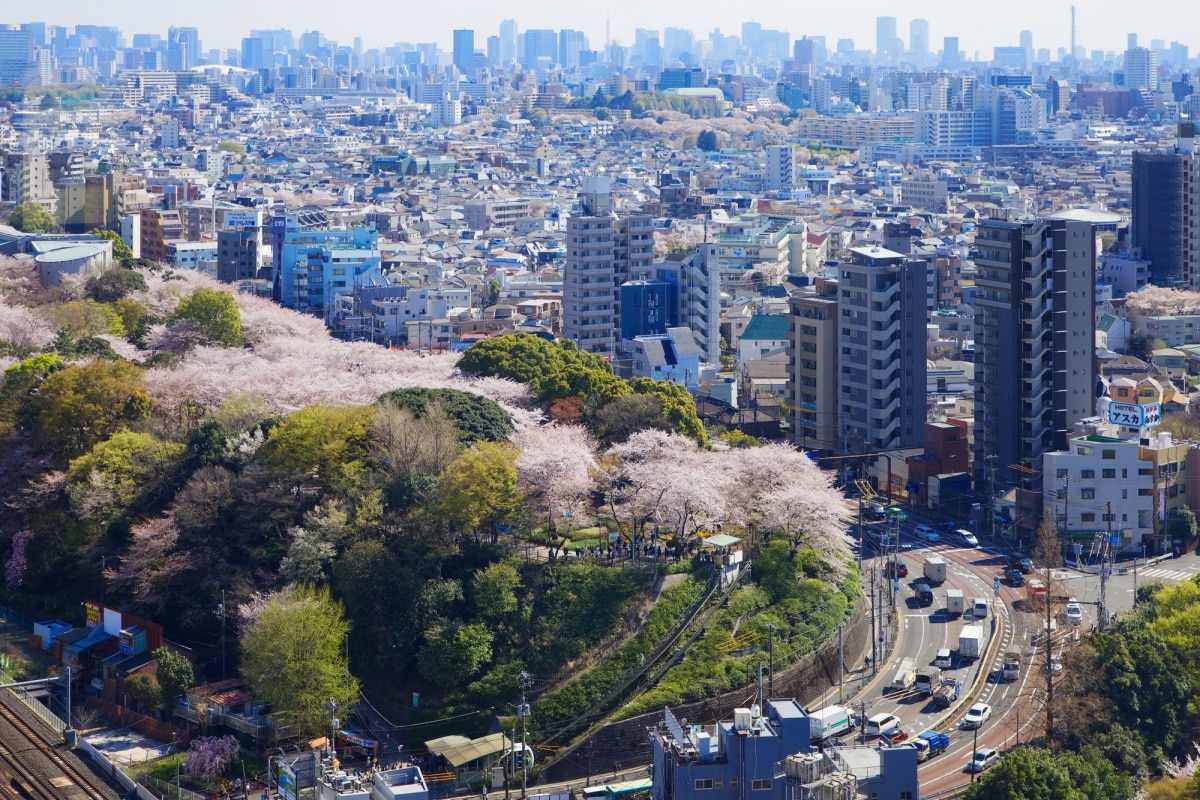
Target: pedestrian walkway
1166 574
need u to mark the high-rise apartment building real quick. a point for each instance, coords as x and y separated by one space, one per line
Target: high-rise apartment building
1166 196
1035 375
881 342
25 178
604 250
780 174
813 366
464 48
1141 68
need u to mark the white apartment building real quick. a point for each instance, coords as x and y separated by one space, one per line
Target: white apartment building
1100 484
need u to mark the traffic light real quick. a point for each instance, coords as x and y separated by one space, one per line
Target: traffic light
518 760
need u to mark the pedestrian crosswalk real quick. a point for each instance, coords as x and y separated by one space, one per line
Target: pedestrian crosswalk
1165 574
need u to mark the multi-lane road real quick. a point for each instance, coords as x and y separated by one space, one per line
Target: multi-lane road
1010 625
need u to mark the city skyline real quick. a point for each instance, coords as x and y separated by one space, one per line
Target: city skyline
222 24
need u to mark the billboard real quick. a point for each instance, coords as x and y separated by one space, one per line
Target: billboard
241 219
91 614
287 781
1133 415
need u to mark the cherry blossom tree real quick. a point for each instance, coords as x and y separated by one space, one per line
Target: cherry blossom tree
556 469
14 569
1156 301
23 331
209 755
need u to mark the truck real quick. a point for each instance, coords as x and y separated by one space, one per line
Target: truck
970 642
955 602
830 722
1011 669
906 675
1036 590
935 569
927 679
946 692
931 743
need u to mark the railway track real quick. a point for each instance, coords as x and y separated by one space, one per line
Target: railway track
59 779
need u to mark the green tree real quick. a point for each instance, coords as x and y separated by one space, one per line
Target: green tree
553 369
493 295
86 318
707 141
496 590
143 691
49 103
82 404
1028 774
454 653
321 436
615 421
111 285
174 674
678 407
480 488
1095 775
132 467
476 417
689 142
215 315
121 251
230 146
31 218
293 656
307 558
537 117
603 114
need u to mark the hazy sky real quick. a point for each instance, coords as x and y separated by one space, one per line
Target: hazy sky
1101 24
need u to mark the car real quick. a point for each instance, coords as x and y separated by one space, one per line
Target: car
967 538
895 512
896 569
894 735
879 510
977 715
927 533
1015 576
944 659
984 757
1022 563
1054 664
1074 612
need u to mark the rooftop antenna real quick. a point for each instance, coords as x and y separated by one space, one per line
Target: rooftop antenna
1072 53
607 27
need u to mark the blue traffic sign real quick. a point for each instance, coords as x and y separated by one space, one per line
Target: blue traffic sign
895 584
996 582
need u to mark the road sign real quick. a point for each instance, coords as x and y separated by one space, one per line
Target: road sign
996 585
895 584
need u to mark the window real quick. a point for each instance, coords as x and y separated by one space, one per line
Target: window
1108 473
760 785
719 783
905 794
733 783
1087 474
1109 455
1087 516
703 783
1087 494
1061 473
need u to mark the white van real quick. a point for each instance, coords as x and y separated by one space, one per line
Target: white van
980 608
879 723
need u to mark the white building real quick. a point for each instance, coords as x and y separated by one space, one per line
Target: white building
1100 484
781 168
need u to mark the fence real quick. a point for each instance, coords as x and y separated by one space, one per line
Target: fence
166 789
33 704
147 726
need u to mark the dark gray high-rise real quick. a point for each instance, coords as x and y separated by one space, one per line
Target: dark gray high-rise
1034 355
1166 189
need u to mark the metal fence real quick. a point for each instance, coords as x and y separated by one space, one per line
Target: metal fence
166 789
34 705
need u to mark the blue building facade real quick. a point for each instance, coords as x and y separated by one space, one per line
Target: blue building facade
647 308
314 268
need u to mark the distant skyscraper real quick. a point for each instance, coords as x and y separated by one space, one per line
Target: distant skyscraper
464 48
183 48
16 57
508 42
1027 46
918 35
540 43
253 53
570 45
1141 68
887 43
804 52
950 53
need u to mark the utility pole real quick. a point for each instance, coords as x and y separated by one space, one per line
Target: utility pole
1104 566
221 619
771 628
523 713
842 661
860 531
874 632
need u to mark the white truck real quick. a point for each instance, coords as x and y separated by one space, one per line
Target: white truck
906 676
970 642
935 569
1012 667
830 722
955 602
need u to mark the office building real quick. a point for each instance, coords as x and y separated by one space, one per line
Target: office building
16 57
1141 69
918 39
158 227
464 48
604 251
648 308
508 43
254 53
887 43
239 253
325 271
25 178
881 339
1165 203
951 57
1035 376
